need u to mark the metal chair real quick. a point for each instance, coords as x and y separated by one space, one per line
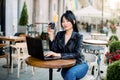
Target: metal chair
92 56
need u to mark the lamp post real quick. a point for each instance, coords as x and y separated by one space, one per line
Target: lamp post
102 16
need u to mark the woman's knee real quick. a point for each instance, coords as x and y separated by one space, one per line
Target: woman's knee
78 71
70 75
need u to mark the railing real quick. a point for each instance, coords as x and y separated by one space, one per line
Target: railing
39 30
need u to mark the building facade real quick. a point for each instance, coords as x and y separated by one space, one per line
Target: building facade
39 11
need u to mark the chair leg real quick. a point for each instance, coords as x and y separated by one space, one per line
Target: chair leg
22 64
7 63
32 70
12 65
19 65
25 66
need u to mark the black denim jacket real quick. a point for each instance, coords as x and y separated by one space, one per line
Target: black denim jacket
71 50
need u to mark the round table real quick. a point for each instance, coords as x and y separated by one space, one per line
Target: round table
95 42
97 35
60 63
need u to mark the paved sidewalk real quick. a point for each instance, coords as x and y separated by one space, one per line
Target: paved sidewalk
40 73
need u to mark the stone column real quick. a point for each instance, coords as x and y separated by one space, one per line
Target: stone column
60 11
19 8
36 10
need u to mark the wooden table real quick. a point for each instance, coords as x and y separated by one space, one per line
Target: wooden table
2 45
50 64
12 39
97 45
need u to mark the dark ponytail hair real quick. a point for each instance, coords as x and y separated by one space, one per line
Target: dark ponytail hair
70 17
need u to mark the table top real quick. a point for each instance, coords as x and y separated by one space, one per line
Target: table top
60 63
95 42
12 38
98 34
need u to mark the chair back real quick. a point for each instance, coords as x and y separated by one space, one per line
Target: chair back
21 49
94 49
90 57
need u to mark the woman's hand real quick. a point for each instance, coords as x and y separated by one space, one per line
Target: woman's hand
51 53
51 33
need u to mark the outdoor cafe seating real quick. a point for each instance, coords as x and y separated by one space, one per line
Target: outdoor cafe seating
95 47
20 54
4 55
91 59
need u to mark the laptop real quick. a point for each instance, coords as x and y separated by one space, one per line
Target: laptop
35 48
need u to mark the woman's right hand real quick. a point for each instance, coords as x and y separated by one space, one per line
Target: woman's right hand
51 53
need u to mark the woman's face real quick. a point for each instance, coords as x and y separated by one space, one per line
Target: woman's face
67 25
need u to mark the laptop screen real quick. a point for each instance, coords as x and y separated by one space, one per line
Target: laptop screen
35 48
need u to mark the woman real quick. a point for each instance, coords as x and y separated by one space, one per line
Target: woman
67 44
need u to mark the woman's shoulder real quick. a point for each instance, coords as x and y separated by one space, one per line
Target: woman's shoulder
77 34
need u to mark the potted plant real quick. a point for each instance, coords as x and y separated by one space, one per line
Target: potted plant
23 21
112 26
114 52
115 45
113 38
113 71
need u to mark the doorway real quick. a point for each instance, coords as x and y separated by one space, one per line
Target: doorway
2 16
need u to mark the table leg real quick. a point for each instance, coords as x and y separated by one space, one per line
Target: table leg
10 56
50 73
10 53
98 62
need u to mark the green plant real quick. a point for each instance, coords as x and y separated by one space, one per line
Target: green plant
24 16
113 71
115 45
113 38
113 29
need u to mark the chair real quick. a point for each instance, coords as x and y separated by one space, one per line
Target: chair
92 62
91 59
3 54
6 57
20 55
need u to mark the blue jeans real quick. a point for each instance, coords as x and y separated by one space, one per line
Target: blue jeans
75 73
